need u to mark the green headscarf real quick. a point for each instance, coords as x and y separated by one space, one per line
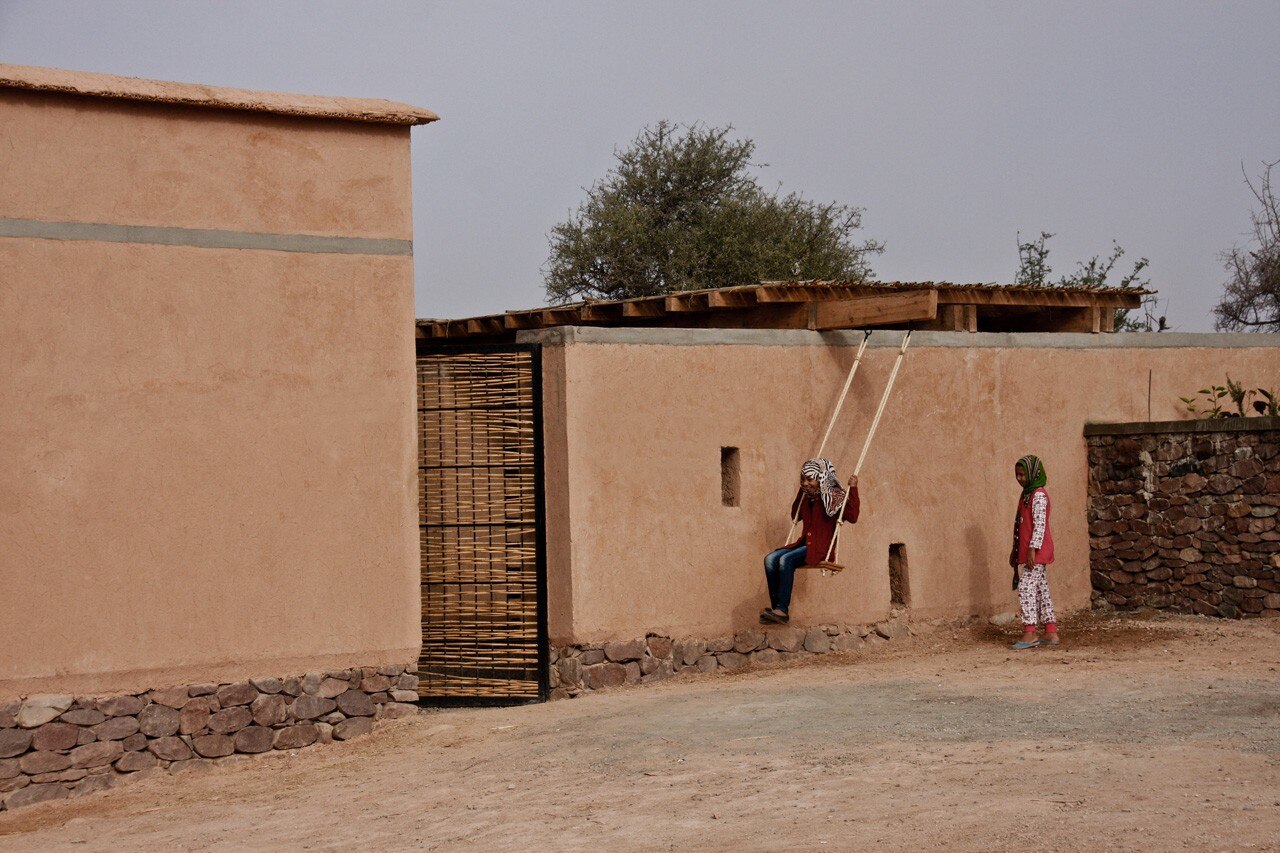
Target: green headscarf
1036 477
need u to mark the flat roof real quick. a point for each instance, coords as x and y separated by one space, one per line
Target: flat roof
88 84
823 306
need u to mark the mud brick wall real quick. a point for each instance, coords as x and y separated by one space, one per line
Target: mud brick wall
53 747
1183 516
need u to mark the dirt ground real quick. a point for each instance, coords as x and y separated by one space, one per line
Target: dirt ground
1139 734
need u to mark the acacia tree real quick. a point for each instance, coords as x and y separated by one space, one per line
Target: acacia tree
1251 298
1034 269
682 210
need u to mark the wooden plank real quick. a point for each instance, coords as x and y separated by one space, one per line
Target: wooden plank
767 293
1044 298
522 319
731 299
602 312
645 308
559 316
678 302
867 311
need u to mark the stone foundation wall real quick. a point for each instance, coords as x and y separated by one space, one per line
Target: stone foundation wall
52 747
576 669
1183 516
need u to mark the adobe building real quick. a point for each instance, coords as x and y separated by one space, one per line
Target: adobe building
673 431
206 420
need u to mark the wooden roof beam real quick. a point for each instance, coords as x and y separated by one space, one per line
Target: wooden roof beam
1040 298
601 312
522 320
869 311
731 299
682 302
654 307
767 293
559 316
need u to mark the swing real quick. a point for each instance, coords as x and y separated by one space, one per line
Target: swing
831 565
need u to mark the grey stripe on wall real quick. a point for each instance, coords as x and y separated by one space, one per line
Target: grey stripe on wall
202 238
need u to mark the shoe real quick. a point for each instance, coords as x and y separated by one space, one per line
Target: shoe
1049 643
1020 645
775 616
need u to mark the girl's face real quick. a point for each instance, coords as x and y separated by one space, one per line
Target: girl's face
1020 471
810 485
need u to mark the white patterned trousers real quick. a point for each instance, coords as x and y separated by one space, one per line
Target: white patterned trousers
1033 594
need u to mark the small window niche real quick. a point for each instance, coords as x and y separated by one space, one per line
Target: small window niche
730 477
899 581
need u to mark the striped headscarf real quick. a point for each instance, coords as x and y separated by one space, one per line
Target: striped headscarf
828 483
1036 477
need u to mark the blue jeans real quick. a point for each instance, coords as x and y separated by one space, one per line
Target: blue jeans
780 573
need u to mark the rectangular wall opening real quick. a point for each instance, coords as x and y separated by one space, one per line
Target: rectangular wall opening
899 584
730 476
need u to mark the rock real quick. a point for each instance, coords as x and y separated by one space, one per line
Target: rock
707 663
132 762
93 784
267 685
230 720
310 683
308 707
269 710
213 746
592 656
64 776
33 794
688 651
1243 582
134 742
356 726
194 716
254 739
660 647
633 672
748 641
119 728
55 736
817 641
786 638
404 696
170 697
570 670
624 651
170 749
159 721
408 681
354 703
9 768
96 754
296 737
13 784
846 643
602 675
34 763
9 713
734 661
121 706
375 684
325 733
764 656
331 688
892 630
398 710
38 710
334 718
240 693
83 717
720 644
1193 483
648 664
663 670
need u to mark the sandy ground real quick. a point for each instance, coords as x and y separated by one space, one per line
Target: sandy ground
1139 734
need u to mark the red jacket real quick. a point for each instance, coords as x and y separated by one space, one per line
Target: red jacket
819 527
1025 527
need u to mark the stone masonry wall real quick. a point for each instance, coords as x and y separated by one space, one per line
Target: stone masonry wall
576 669
52 747
1183 516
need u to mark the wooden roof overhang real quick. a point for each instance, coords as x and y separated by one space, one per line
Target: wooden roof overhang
822 306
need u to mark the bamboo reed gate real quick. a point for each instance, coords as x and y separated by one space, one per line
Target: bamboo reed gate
484 637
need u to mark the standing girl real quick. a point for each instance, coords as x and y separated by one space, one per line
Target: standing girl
1033 552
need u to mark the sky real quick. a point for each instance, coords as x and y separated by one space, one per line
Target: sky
956 125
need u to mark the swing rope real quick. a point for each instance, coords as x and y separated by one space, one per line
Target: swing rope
830 564
853 369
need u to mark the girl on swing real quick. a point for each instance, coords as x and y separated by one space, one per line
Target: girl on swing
815 507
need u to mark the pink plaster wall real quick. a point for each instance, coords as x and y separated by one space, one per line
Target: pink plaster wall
651 548
208 454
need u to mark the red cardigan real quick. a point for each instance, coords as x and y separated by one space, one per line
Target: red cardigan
819 527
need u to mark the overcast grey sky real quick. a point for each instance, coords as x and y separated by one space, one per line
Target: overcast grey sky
955 124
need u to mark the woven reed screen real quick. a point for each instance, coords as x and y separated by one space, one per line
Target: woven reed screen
478 485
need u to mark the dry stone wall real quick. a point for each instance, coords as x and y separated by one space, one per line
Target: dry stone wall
1183 516
576 669
53 747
